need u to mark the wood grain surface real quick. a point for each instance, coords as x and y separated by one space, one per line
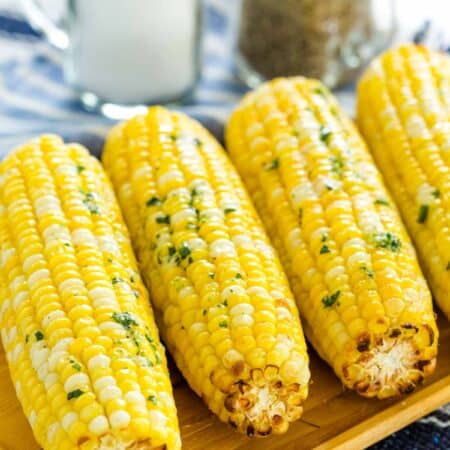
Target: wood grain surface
333 419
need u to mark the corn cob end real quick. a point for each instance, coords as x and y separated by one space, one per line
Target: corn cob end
264 404
394 363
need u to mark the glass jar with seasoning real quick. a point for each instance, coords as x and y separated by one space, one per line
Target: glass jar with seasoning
325 39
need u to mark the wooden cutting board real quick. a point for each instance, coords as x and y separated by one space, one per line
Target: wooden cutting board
334 419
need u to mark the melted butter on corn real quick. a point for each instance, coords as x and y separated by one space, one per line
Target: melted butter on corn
70 333
223 303
350 262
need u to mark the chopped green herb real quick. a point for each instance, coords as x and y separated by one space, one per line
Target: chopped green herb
80 168
324 249
125 319
39 335
320 91
149 339
325 134
204 312
273 165
117 280
337 164
448 266
89 202
74 394
367 271
27 338
329 186
152 398
229 210
153 201
436 193
423 213
238 276
163 219
211 275
329 300
136 294
197 141
381 201
75 365
388 241
66 244
324 237
223 324
172 250
225 303
173 137
157 357
190 260
184 250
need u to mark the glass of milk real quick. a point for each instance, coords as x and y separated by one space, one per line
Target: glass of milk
124 53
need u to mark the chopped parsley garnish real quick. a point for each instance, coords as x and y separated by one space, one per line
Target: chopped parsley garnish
223 324
423 213
27 338
229 210
337 164
173 137
89 202
153 201
125 319
238 276
381 201
436 193
211 275
39 335
324 237
224 303
329 300
448 266
148 338
325 134
116 280
75 365
204 312
273 165
388 241
163 219
152 398
74 394
184 250
319 90
367 271
172 250
80 168
324 249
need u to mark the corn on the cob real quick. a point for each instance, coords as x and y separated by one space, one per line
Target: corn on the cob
404 113
365 305
223 303
79 335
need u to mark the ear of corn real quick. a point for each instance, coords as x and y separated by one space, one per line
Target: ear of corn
366 307
224 306
79 335
404 113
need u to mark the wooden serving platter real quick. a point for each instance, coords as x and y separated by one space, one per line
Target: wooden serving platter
333 419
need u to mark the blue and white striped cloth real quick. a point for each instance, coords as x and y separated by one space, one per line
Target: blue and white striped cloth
34 99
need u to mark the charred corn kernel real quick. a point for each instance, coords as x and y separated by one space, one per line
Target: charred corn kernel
216 283
404 114
73 308
352 267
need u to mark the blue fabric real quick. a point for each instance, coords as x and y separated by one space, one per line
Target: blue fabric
34 99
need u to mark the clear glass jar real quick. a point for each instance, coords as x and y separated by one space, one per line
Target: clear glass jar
325 39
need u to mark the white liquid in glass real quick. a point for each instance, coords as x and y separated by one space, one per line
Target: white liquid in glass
133 51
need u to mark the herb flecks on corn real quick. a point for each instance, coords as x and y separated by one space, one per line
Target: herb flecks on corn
365 305
404 114
223 303
79 335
